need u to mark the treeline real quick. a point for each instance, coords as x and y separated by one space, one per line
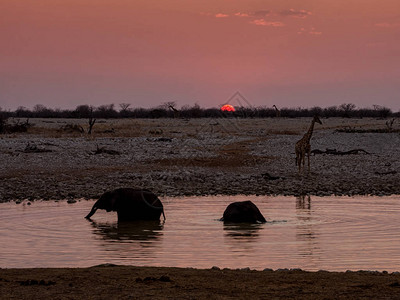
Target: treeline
169 110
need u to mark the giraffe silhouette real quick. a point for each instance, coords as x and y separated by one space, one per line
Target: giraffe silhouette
303 146
175 111
277 111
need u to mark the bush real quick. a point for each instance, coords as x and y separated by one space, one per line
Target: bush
345 110
3 123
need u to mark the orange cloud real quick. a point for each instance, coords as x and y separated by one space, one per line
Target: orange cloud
256 14
315 32
220 15
262 22
240 14
302 13
312 31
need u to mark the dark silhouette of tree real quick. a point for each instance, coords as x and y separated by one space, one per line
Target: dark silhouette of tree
83 111
3 121
347 109
382 112
91 121
124 107
41 111
106 111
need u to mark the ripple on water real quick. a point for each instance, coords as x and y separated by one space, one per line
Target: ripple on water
331 233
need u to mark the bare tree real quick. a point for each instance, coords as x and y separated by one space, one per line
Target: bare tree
38 108
91 121
167 105
347 109
124 106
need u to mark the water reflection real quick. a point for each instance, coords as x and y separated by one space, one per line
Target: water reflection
142 231
305 228
241 236
303 202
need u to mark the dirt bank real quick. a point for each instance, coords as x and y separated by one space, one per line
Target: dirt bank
118 282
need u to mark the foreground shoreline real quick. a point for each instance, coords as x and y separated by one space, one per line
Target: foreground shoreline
129 282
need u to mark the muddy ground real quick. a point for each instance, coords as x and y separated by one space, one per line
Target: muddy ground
122 282
177 157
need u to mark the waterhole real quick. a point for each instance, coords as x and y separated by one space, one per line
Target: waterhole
329 233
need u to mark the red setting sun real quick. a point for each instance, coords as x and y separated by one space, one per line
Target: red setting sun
227 107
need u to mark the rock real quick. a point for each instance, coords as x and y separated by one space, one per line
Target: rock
268 270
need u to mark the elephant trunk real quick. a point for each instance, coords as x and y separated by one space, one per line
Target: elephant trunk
94 208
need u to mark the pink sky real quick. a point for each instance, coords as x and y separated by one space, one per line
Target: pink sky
63 53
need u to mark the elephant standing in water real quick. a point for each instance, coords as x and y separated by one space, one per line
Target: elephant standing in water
243 212
130 204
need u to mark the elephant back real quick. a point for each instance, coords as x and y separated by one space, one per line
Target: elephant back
243 212
136 204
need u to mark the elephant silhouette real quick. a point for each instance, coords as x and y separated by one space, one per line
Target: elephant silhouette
130 204
242 212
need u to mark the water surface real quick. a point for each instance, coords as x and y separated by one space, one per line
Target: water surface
330 233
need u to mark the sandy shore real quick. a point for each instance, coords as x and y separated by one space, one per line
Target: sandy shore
197 157
122 282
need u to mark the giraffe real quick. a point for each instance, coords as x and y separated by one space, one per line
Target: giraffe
176 112
303 146
277 111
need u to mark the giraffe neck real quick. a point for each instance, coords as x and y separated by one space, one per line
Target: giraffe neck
310 131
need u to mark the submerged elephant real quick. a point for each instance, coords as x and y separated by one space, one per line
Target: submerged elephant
130 204
243 212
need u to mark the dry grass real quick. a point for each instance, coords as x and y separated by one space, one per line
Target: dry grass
194 127
228 157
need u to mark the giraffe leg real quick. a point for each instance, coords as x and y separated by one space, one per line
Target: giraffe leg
299 161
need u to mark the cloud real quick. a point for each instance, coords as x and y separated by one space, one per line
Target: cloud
220 15
262 22
315 32
261 14
387 25
302 13
240 14
311 32
257 14
301 31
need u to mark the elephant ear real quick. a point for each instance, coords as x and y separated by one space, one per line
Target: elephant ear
114 203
